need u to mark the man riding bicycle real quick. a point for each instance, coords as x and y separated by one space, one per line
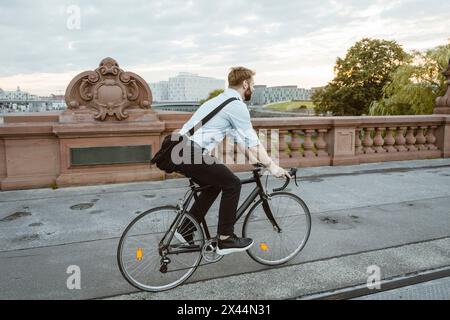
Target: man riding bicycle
233 119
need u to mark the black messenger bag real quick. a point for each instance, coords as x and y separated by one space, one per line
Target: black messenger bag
163 158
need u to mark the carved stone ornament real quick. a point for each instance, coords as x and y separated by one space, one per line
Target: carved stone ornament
108 91
443 103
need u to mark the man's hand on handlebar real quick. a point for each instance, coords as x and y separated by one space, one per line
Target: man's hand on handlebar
277 171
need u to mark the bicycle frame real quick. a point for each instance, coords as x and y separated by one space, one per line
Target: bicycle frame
257 191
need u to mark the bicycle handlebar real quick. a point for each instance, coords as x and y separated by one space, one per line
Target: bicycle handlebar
292 173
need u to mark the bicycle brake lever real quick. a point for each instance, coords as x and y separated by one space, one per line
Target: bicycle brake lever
294 173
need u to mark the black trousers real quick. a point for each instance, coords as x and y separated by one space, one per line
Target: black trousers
221 179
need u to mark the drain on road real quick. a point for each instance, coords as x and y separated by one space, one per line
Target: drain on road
329 220
343 223
82 206
149 196
27 237
37 224
16 215
96 212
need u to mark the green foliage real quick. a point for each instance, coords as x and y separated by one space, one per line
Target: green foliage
360 77
211 95
416 85
290 105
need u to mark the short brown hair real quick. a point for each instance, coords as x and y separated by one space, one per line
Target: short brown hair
237 76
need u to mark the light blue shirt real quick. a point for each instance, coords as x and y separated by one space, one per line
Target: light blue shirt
233 120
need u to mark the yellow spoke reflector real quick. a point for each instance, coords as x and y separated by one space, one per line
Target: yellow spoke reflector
139 254
264 246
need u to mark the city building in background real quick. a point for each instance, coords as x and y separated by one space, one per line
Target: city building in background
265 95
160 90
258 95
185 87
21 101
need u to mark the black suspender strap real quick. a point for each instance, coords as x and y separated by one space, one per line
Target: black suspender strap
210 116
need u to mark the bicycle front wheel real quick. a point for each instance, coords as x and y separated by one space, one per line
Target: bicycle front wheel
141 260
272 247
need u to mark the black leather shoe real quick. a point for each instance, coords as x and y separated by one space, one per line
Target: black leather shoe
233 244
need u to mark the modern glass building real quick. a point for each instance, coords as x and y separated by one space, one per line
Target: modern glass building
264 95
185 87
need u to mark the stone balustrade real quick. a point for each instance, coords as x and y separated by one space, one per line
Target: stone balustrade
35 149
318 141
109 133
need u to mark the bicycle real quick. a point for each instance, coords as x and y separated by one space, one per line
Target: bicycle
152 259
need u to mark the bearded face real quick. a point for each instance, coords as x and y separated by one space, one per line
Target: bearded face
249 92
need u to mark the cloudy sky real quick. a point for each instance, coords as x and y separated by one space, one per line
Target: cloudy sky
44 45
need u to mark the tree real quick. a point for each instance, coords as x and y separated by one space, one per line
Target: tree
360 77
416 85
211 95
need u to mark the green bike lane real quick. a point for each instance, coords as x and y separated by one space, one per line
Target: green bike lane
355 210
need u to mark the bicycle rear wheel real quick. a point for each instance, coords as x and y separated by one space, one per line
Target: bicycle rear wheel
139 255
270 246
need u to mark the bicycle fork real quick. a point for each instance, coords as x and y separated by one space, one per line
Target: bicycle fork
265 203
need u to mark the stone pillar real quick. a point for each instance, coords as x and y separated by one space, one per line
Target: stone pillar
341 142
443 108
443 103
442 134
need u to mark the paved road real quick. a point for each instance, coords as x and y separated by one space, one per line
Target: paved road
432 290
355 209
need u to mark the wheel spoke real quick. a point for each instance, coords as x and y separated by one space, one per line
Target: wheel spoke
290 215
145 232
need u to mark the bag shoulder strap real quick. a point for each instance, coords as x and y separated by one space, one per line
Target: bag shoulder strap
210 115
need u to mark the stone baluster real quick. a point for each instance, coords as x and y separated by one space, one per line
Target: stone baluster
321 144
282 144
358 143
295 144
420 139
379 141
308 144
274 144
431 138
389 140
400 140
268 140
228 151
410 139
367 141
